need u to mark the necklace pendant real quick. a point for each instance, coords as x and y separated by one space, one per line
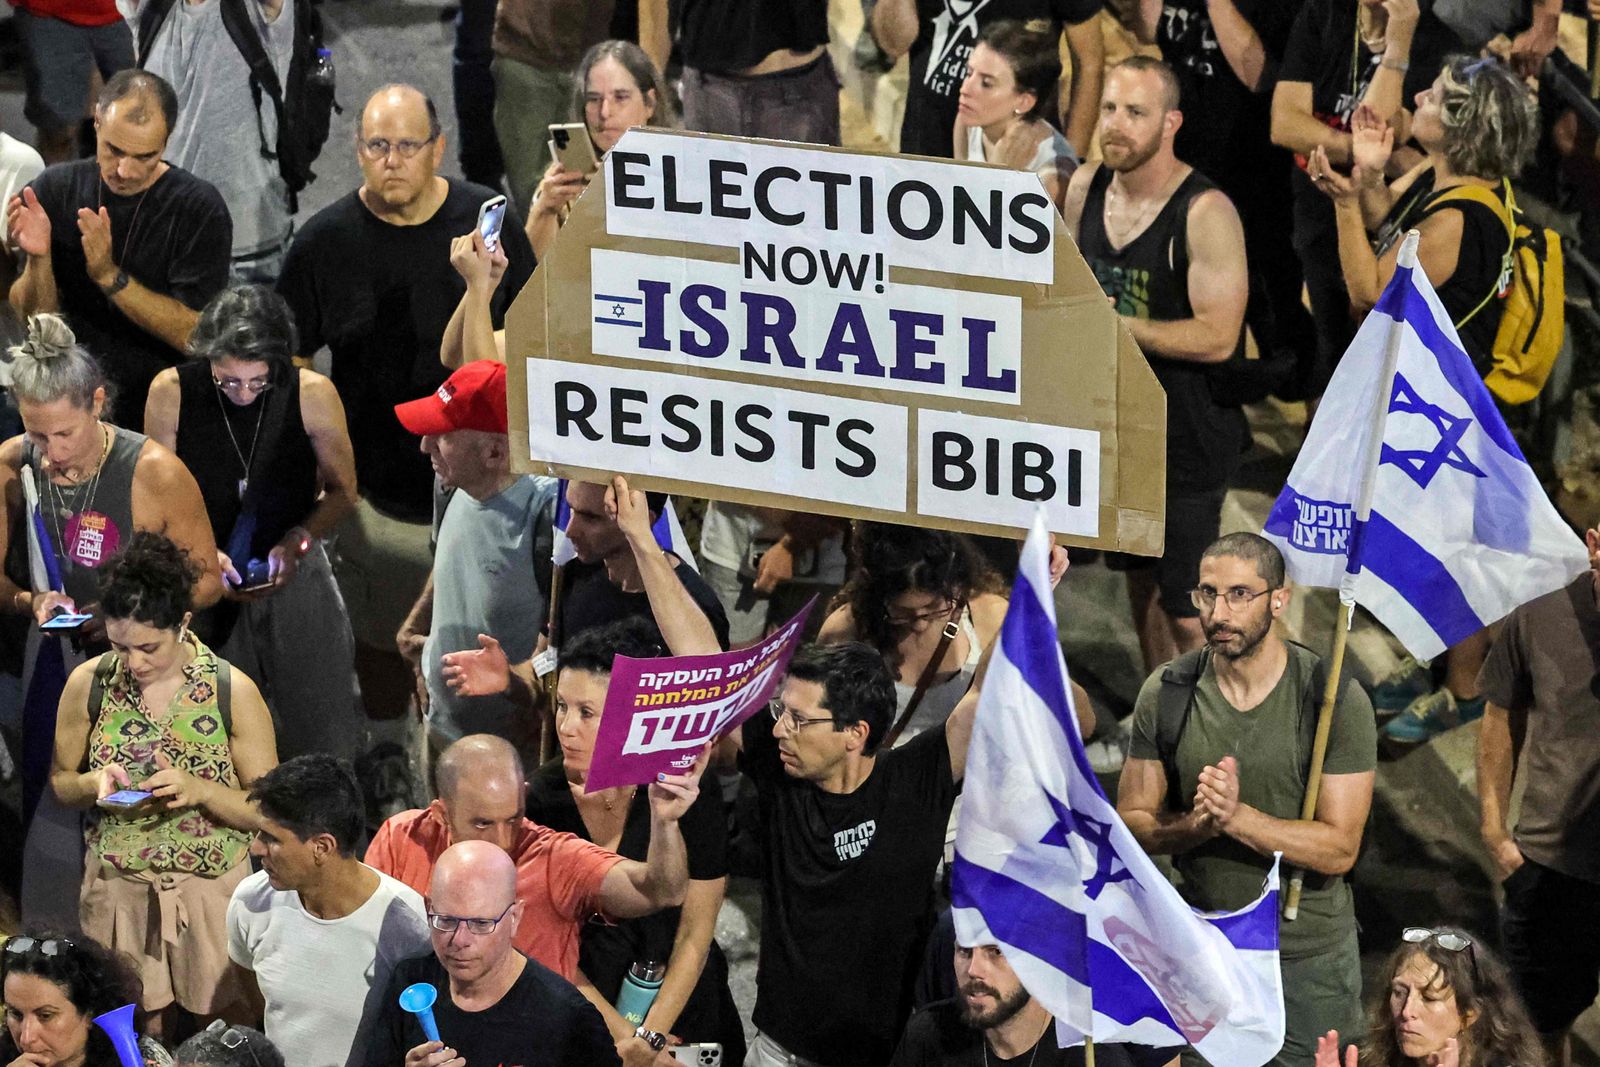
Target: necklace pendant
244 483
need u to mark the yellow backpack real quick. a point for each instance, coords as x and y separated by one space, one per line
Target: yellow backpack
1533 290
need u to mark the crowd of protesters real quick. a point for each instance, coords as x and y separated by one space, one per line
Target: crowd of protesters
281 555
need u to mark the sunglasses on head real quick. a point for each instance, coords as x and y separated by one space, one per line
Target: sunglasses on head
1445 939
232 1037
47 947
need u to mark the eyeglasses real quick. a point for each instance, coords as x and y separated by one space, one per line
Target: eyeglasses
1445 939
379 147
243 385
51 947
911 618
448 924
232 1038
1205 598
781 711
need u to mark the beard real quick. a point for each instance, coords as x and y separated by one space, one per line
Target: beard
1124 156
1238 639
1005 1006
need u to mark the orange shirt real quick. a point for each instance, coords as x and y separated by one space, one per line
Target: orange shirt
558 878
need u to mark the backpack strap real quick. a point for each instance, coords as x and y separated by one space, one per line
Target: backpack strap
952 627
1174 701
236 19
97 683
152 16
1504 209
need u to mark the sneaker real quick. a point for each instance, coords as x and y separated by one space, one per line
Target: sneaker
1403 685
1429 716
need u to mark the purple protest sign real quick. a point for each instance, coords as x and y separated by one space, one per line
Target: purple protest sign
661 712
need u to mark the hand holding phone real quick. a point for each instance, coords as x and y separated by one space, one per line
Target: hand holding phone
491 217
572 147
64 622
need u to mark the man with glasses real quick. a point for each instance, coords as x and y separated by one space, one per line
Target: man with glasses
851 839
369 277
1217 771
127 246
320 930
494 1005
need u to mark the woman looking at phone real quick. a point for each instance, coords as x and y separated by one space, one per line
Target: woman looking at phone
269 446
180 735
97 483
617 88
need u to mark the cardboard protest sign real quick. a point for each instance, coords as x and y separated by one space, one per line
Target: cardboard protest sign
660 712
877 336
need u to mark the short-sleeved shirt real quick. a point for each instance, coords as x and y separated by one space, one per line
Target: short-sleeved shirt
380 296
175 239
484 581
947 30
609 949
77 12
221 123
1546 664
320 976
733 35
847 897
542 1021
592 599
1223 874
559 878
551 35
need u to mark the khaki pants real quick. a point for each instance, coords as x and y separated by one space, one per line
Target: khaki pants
526 101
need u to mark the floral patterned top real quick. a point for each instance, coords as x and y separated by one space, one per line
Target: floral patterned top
191 735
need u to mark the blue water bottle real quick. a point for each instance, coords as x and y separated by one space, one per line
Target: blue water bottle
639 988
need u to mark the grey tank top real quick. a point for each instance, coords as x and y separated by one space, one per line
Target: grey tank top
88 523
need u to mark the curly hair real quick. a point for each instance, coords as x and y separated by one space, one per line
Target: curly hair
1490 120
1034 54
890 561
1500 1034
594 649
150 581
91 976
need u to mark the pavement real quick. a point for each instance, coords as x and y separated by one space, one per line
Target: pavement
1422 862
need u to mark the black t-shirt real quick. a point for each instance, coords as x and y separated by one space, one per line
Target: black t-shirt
592 599
542 1021
1325 50
608 949
175 238
847 897
732 35
1226 131
936 1037
946 32
379 296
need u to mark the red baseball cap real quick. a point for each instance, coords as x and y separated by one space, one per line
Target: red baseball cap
473 398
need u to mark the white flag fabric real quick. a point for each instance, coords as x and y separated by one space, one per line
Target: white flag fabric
1460 531
1046 869
667 530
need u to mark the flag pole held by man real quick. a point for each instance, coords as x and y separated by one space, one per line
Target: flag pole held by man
1422 509
1047 870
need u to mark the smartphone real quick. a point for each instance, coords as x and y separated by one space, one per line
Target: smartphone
126 798
570 143
491 216
706 1054
256 574
64 621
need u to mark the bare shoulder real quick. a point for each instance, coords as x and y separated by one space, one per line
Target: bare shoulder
159 469
988 612
839 627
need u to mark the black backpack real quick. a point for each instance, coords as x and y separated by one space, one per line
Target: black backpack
304 107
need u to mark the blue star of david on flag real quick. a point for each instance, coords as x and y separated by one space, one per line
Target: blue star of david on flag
1422 465
615 310
1097 834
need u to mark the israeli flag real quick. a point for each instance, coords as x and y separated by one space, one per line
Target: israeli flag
1046 869
1459 531
667 529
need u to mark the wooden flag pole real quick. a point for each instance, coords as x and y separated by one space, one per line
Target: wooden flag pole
1319 749
1088 1051
1407 257
547 729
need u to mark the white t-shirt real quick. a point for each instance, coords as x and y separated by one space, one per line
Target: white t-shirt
19 165
318 975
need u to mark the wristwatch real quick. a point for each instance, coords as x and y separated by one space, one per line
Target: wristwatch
119 283
651 1038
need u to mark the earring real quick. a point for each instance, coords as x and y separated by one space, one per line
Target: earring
1276 604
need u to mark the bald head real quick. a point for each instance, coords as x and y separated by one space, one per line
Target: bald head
477 758
405 103
473 878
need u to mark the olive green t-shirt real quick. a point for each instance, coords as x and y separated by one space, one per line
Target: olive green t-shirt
1223 874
